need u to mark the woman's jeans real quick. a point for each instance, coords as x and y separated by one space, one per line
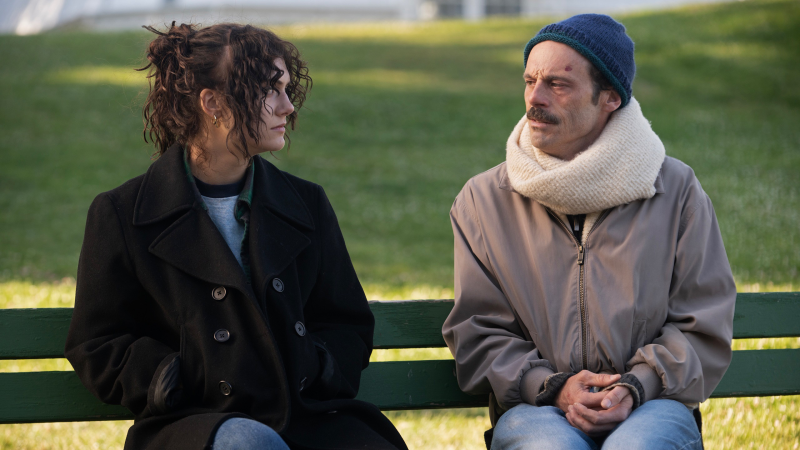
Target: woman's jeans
656 425
246 434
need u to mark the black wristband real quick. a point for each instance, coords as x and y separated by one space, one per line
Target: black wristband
630 381
551 388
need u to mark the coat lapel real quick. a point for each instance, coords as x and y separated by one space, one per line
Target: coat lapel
194 245
278 218
191 242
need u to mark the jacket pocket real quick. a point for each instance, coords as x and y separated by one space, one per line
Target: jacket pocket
191 372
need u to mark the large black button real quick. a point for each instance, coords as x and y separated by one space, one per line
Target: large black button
218 293
277 284
303 384
225 388
300 328
222 335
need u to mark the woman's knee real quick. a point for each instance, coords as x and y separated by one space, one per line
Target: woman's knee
240 434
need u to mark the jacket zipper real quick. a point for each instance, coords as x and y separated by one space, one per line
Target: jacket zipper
581 281
581 254
582 291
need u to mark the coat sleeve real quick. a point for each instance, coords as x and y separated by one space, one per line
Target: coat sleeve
693 348
337 314
106 344
482 331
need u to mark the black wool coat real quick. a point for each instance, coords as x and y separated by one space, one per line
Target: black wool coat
159 289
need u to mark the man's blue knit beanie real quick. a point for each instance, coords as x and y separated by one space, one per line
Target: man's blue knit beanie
601 40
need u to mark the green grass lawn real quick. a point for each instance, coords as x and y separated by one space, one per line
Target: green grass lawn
399 118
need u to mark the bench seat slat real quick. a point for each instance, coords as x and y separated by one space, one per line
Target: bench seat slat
41 333
60 397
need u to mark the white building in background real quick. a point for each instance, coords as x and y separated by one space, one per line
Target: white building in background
34 16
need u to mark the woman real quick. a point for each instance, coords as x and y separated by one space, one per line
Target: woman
216 299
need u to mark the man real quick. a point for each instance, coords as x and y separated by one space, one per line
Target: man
594 298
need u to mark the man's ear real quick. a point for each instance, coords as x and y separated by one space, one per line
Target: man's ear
612 101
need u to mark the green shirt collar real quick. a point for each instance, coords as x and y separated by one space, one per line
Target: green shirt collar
245 199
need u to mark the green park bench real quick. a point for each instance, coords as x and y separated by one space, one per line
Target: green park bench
398 385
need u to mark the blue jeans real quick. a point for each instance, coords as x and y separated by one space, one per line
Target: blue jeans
246 434
656 425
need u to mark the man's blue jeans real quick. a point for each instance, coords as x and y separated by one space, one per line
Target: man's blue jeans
656 425
246 434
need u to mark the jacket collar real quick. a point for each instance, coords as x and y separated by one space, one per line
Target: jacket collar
273 190
191 241
166 191
659 183
505 183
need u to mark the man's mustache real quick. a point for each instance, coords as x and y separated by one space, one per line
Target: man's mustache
540 115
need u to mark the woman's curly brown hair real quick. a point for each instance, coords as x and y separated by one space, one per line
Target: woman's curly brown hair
238 61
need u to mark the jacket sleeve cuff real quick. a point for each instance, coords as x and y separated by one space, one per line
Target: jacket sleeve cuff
329 382
632 384
649 379
532 382
551 388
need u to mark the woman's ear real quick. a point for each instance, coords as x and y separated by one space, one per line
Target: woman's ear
212 106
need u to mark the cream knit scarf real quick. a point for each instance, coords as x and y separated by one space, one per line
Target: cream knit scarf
619 167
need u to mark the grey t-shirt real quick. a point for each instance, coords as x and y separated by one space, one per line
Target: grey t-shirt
220 200
221 211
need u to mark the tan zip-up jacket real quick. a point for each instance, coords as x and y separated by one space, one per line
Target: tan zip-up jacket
651 294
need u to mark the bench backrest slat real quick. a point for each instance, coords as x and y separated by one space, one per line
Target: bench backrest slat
766 314
41 333
33 333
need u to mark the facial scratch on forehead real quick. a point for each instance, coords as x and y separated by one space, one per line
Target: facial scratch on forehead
568 68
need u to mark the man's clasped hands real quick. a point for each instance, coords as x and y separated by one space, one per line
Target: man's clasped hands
594 413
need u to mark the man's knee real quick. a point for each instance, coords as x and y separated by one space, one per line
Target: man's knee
657 424
525 415
529 427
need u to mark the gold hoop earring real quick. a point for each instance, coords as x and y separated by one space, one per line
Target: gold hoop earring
216 124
